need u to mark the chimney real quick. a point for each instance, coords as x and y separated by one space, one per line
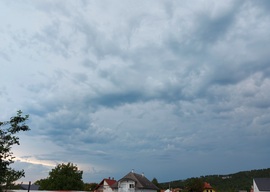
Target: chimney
109 178
132 171
142 174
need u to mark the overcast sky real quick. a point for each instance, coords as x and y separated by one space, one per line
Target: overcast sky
174 89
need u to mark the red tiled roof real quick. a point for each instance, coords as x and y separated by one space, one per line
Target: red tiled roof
207 186
110 181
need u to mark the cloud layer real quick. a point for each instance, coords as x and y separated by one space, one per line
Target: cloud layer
172 89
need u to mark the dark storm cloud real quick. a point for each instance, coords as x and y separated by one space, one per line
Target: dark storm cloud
211 30
264 4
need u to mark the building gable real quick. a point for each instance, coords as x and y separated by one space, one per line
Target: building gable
105 185
262 184
141 182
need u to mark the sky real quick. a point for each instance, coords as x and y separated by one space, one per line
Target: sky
172 89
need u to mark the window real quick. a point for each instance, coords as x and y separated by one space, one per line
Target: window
131 186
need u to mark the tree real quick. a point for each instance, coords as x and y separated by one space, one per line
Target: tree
194 185
8 138
90 186
155 182
63 177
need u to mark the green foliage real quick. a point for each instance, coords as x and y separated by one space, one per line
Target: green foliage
194 185
155 182
173 184
43 184
8 138
231 182
90 186
235 182
63 177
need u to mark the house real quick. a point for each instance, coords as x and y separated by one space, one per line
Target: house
26 187
261 184
134 182
176 190
171 190
105 185
208 188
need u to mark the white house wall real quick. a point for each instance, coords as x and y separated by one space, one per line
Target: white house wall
255 188
106 187
136 190
126 186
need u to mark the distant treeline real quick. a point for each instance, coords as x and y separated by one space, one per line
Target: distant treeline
233 182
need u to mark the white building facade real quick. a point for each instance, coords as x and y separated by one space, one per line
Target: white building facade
105 185
134 182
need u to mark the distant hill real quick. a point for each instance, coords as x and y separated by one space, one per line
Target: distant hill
231 182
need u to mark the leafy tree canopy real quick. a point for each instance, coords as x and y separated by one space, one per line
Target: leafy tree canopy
195 185
8 138
90 186
224 183
155 182
63 177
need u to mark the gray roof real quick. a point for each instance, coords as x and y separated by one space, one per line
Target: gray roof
141 182
263 184
32 187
